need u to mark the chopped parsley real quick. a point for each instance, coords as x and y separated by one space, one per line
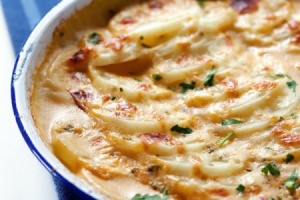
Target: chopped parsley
240 188
179 129
201 3
278 76
292 85
289 158
185 86
113 98
222 141
209 80
294 116
230 121
95 38
121 89
153 197
138 80
292 182
272 169
156 77
278 198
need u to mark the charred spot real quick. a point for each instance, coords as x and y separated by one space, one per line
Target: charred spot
123 37
145 86
125 109
254 189
115 44
219 192
79 61
291 139
127 20
153 169
125 106
231 84
294 25
244 6
264 86
96 141
281 127
152 138
296 39
81 98
156 5
182 59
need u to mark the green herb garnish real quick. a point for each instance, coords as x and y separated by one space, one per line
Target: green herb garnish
272 169
209 80
222 141
292 85
179 129
138 80
289 158
185 87
153 197
121 89
240 188
230 121
95 38
277 76
156 77
278 198
201 3
113 98
294 116
292 182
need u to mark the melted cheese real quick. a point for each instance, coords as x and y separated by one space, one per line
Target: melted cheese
113 101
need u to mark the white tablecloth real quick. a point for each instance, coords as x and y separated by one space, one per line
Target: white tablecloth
21 174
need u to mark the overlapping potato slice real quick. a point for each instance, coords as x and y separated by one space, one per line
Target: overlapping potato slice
137 118
211 23
268 16
180 67
188 165
276 92
138 17
108 80
140 56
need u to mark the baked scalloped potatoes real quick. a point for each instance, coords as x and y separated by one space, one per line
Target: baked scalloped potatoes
176 99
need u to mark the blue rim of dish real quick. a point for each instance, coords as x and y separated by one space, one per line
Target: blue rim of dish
32 147
27 138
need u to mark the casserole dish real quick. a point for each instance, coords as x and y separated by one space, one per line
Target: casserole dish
154 99
30 57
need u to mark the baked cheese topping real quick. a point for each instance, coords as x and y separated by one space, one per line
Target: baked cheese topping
180 99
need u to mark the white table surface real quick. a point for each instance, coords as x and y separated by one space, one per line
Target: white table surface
21 174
